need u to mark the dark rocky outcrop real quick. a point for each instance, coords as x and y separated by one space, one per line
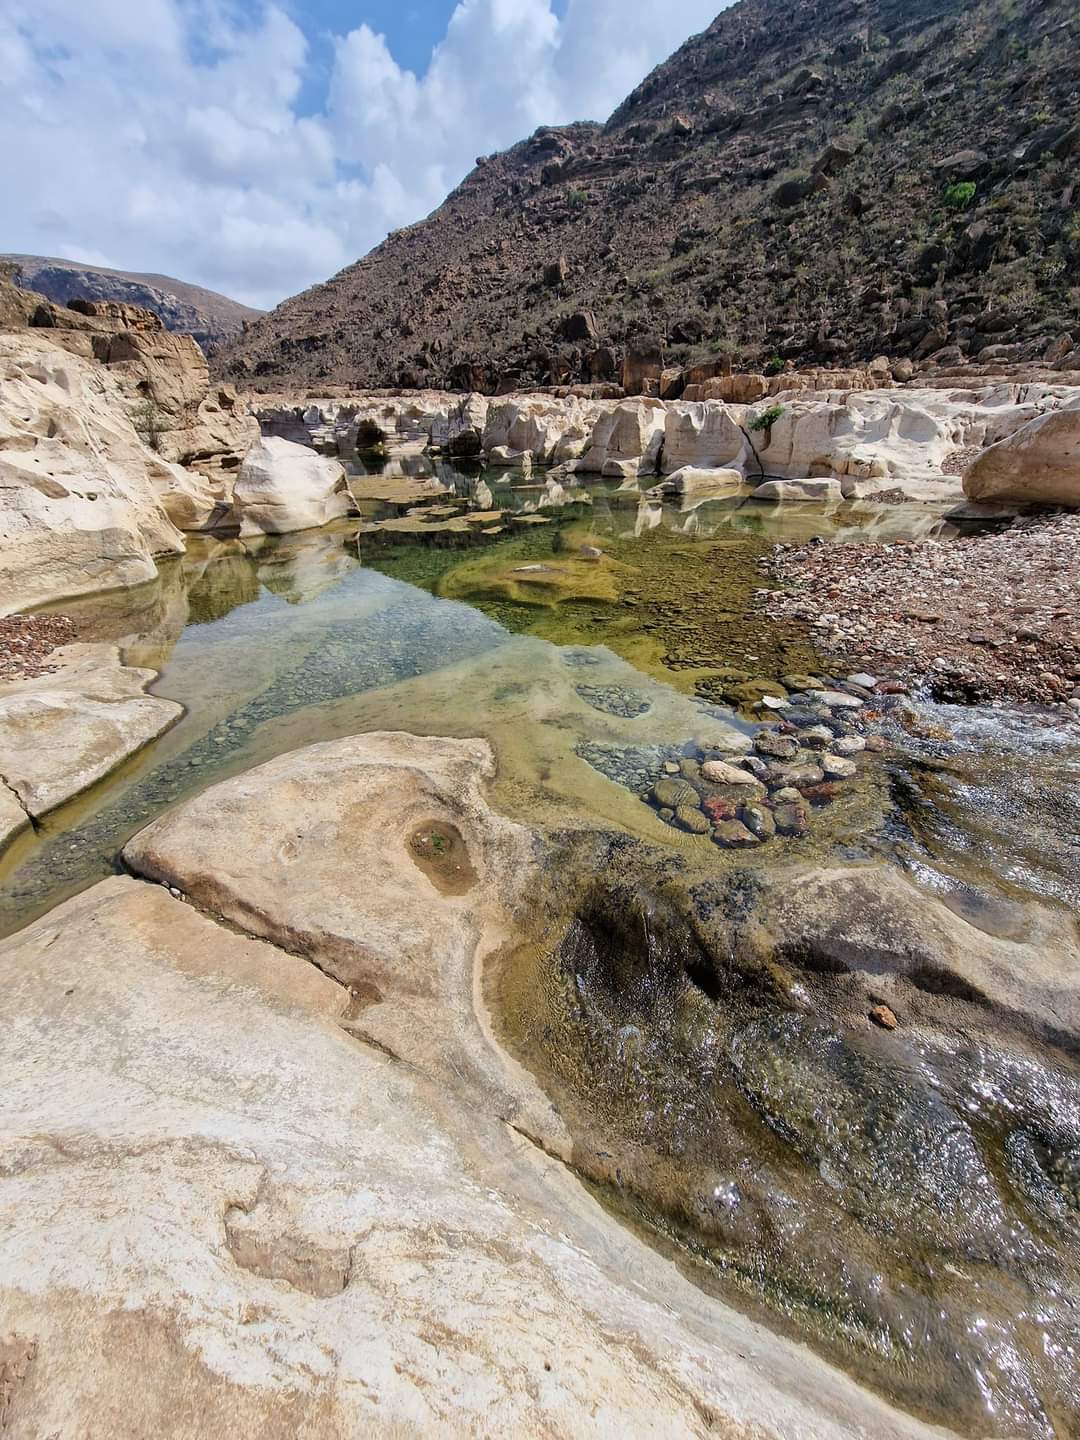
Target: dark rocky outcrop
209 318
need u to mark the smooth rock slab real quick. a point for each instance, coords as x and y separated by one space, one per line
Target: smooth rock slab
63 732
317 851
827 491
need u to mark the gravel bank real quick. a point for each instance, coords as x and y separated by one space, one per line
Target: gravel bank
993 616
27 641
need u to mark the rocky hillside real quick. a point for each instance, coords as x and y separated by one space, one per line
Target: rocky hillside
808 180
207 317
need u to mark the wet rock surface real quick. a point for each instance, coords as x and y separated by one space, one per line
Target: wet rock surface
614 700
295 1202
730 1063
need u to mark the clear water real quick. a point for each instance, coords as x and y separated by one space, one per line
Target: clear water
282 642
566 665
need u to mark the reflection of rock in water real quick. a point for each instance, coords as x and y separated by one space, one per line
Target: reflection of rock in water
907 1200
219 587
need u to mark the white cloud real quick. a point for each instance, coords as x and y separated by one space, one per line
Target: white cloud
165 135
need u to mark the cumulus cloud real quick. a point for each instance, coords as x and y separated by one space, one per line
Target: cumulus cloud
168 135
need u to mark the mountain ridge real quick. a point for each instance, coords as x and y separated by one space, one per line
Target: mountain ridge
208 317
798 182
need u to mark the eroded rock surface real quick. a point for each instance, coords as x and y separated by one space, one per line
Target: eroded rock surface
323 852
864 439
281 1230
79 502
715 1050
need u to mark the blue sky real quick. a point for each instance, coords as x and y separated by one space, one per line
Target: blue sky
258 146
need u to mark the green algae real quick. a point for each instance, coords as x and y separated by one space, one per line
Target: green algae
682 611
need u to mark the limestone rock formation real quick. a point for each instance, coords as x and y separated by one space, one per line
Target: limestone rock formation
248 1221
1039 464
79 503
283 487
62 732
165 379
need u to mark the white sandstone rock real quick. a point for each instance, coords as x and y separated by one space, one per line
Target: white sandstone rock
626 440
704 436
1039 464
783 490
223 1213
694 482
81 505
283 487
60 733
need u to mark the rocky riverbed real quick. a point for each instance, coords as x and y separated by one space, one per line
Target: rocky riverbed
993 616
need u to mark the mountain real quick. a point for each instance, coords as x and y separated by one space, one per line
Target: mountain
814 180
209 318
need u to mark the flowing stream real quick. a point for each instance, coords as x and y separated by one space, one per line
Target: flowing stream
910 1203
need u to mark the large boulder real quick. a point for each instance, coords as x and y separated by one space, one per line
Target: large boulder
704 436
1037 465
627 440
80 494
283 487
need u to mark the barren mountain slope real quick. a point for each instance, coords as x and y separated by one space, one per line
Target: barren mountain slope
818 180
209 318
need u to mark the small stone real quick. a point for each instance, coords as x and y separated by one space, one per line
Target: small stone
788 795
891 687
849 745
667 815
882 1016
823 794
798 776
590 552
756 766
759 821
689 818
733 835
837 768
818 737
783 747
718 772
792 819
839 700
802 682
864 681
876 744
721 807
670 794
670 768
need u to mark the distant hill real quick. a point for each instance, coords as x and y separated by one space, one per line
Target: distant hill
815 180
210 318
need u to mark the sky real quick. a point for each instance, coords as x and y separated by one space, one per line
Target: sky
257 148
